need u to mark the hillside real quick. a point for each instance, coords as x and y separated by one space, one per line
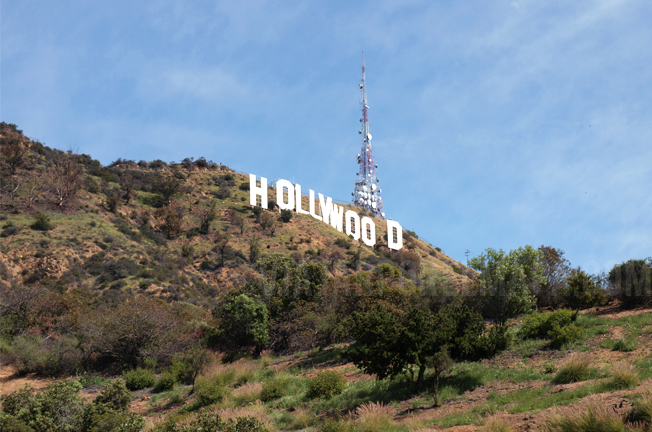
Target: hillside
152 296
168 254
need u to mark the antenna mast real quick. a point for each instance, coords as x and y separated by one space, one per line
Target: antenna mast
366 194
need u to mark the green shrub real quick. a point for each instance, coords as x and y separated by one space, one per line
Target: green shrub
9 229
286 215
540 324
42 222
560 336
624 345
209 392
244 186
575 369
138 378
115 395
11 423
165 382
55 408
326 385
274 390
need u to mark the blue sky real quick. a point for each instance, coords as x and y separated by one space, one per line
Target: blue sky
496 124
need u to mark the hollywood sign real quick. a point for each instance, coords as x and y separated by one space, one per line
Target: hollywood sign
288 197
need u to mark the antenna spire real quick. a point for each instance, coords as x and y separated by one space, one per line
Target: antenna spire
366 194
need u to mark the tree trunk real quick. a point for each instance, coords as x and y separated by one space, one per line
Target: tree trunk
436 386
422 371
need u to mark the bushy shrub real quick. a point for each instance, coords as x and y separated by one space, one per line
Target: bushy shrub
165 382
560 336
624 345
272 390
115 395
326 385
244 186
209 392
138 378
539 324
576 368
9 229
42 222
286 215
632 281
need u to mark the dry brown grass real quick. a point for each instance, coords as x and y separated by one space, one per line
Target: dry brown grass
586 417
624 375
247 394
239 372
256 410
373 417
495 424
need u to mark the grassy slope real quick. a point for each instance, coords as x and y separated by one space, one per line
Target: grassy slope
517 386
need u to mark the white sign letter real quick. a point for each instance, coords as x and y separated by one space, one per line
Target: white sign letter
368 231
352 224
391 243
325 207
311 206
255 190
280 195
297 190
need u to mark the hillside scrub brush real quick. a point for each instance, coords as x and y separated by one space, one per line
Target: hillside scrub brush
575 368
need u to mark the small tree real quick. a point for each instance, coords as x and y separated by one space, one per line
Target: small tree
64 178
128 184
254 249
206 216
506 281
239 221
195 361
632 281
221 241
581 291
13 149
556 270
167 187
244 323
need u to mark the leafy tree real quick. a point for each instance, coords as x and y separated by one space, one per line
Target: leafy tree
244 323
632 281
556 270
387 344
13 148
193 362
506 281
167 187
581 291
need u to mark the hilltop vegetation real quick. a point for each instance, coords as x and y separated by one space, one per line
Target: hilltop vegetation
161 281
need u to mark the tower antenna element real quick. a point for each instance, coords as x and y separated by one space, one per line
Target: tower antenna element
366 193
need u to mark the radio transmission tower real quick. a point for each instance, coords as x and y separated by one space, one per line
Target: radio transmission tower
366 193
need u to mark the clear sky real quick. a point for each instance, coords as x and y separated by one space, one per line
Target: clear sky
495 123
